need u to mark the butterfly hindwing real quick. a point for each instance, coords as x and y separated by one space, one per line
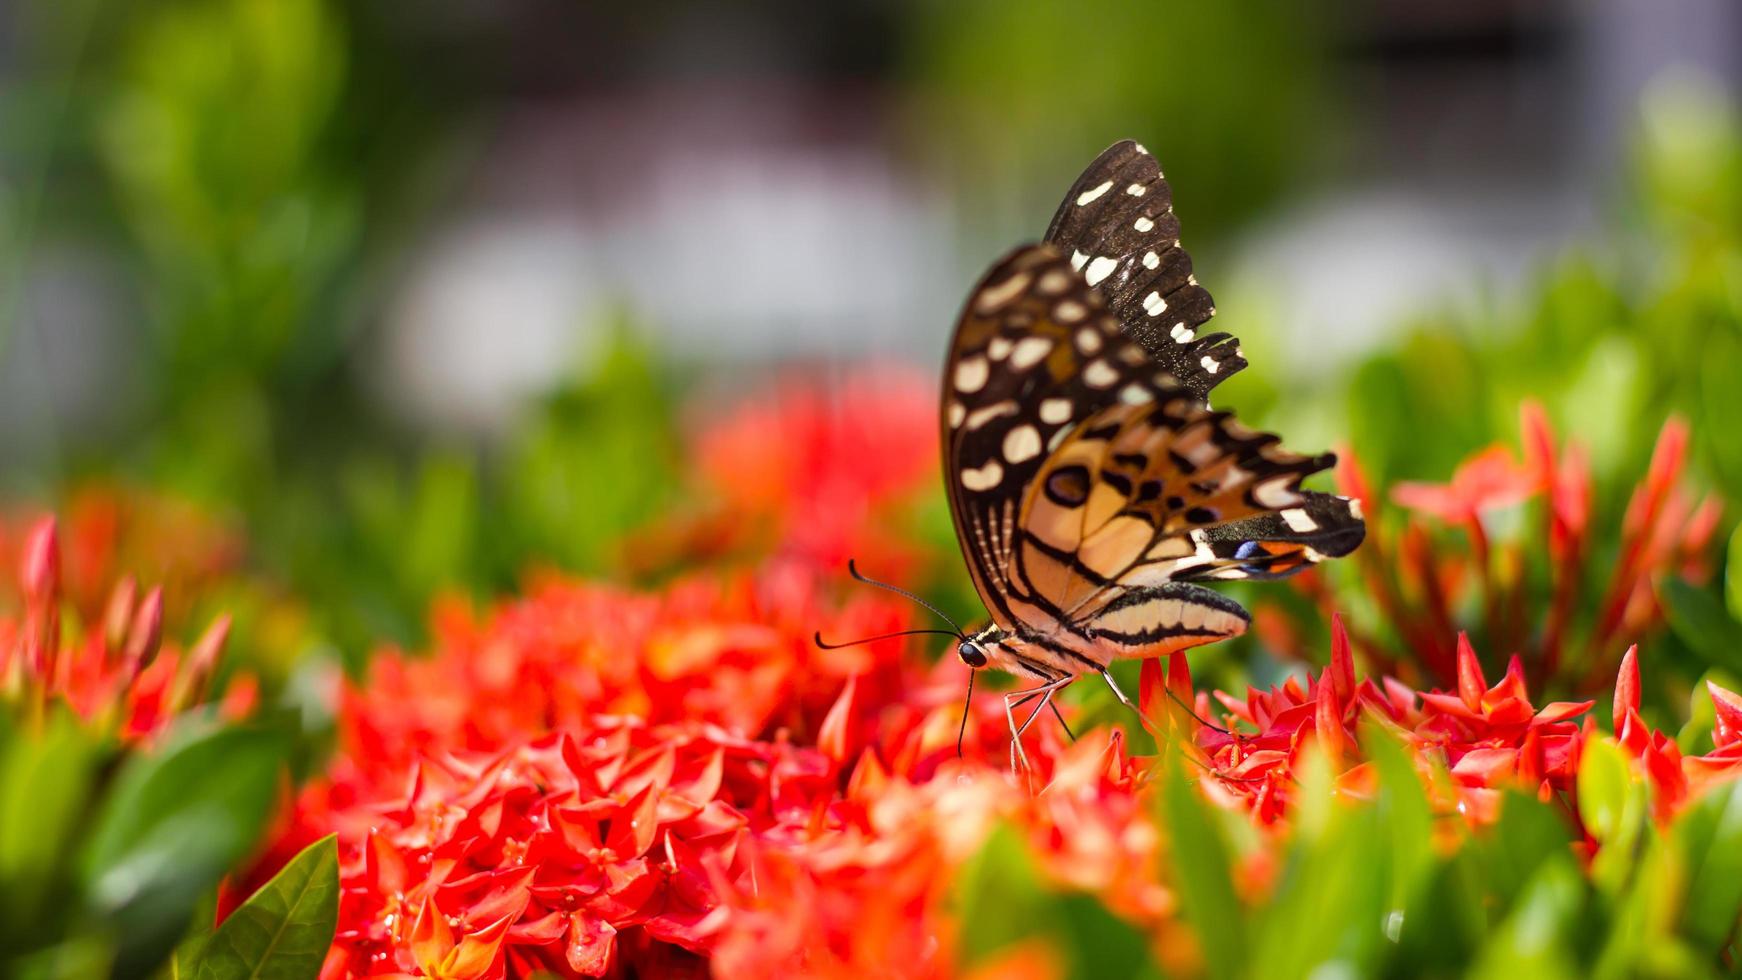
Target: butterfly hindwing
1118 227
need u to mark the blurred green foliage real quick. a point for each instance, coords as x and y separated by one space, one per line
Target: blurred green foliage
1367 885
105 852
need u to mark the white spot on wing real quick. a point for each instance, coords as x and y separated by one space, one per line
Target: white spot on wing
993 297
1210 364
1099 269
984 478
957 413
1153 304
971 374
1100 374
1299 520
1275 494
1088 340
1135 394
998 348
1069 311
1136 190
1181 333
1151 260
1053 283
1354 508
1055 410
1143 224
1022 444
1092 193
1077 260
1029 352
980 416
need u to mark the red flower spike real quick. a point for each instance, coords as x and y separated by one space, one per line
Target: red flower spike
835 739
40 571
145 634
1328 718
1727 728
1471 684
118 614
1152 689
1342 671
1626 687
1539 441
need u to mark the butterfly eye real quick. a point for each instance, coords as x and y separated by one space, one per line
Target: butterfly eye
971 654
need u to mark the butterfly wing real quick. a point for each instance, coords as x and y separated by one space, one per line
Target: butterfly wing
1086 483
1118 227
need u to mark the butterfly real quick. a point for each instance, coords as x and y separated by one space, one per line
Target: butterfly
1091 485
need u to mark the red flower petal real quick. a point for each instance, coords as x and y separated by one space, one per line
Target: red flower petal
1727 730
1626 686
1471 684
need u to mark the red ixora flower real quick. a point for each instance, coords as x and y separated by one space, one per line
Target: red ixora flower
121 672
1485 737
1419 579
813 471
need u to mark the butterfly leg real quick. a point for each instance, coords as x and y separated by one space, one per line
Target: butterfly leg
1015 698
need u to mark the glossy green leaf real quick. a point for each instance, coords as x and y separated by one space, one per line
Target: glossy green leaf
1199 860
1406 816
1527 834
1733 575
1001 901
1612 802
1708 838
283 931
1533 941
176 822
1330 909
1704 624
1605 778
46 780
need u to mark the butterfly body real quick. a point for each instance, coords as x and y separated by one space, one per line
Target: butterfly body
1090 483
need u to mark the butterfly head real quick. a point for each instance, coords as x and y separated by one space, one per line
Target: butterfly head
978 650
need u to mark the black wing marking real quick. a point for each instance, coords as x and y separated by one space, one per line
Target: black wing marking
1118 227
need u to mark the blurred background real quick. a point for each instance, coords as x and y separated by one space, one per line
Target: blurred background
409 296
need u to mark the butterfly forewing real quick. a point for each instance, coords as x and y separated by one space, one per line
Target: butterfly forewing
1086 482
1118 228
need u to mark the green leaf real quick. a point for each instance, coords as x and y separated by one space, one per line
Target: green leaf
1533 941
46 781
1001 901
1330 910
1733 575
1527 834
1406 815
1612 803
1199 859
1704 624
1605 776
176 822
1708 836
283 931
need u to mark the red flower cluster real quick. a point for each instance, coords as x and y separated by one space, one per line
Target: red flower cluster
1419 581
499 812
108 533
1487 738
121 673
813 473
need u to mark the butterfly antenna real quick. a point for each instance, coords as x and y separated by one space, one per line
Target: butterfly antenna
818 637
967 702
853 570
